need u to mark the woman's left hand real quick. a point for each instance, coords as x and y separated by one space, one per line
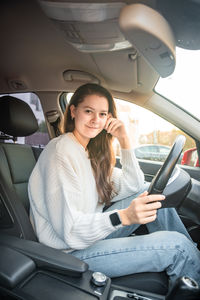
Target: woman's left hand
117 129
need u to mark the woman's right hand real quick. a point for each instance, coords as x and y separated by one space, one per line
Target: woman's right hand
142 209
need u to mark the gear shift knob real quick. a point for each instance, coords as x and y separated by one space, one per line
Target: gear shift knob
185 288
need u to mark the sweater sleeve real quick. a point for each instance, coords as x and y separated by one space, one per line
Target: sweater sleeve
129 179
77 229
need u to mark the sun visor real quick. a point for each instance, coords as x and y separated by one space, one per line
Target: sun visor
149 32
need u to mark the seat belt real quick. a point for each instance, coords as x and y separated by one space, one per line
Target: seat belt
53 117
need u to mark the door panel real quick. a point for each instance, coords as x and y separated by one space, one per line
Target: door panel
150 168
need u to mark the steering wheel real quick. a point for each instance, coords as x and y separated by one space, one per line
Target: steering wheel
160 180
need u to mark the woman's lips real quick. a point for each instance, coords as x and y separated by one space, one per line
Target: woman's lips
93 127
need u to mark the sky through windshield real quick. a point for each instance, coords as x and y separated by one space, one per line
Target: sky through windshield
183 86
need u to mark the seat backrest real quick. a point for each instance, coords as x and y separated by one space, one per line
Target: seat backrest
16 164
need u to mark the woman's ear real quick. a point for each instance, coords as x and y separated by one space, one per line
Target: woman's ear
72 110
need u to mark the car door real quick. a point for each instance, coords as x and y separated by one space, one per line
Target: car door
154 137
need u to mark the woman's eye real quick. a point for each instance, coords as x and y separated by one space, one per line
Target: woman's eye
103 114
88 111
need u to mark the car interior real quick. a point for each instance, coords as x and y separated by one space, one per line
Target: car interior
50 48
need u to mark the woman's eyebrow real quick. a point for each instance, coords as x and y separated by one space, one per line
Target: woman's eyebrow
92 108
86 106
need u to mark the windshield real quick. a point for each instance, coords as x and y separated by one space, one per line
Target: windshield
183 86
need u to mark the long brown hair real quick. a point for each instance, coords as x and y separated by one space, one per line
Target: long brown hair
100 148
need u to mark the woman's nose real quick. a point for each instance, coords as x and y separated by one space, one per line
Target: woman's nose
95 118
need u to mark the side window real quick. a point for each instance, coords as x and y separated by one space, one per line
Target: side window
150 135
41 137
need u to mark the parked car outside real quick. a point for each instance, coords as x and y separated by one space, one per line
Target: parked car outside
152 152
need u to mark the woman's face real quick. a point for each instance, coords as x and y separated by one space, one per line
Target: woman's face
90 117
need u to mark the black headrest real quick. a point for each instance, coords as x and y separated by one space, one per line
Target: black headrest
16 117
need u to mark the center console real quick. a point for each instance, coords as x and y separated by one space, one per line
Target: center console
31 271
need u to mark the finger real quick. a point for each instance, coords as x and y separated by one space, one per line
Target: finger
108 122
153 206
149 219
112 124
148 214
145 193
106 125
152 198
114 127
151 213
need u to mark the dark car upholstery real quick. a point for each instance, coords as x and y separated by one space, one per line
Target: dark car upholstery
16 164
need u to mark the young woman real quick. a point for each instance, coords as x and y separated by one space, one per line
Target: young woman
75 178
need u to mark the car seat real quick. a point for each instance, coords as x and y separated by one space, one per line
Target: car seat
16 164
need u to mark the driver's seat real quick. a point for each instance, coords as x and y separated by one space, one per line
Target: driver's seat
16 164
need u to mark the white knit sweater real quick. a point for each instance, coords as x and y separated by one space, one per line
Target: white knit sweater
63 195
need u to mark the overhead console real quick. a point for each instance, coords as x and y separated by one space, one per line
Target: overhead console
105 27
